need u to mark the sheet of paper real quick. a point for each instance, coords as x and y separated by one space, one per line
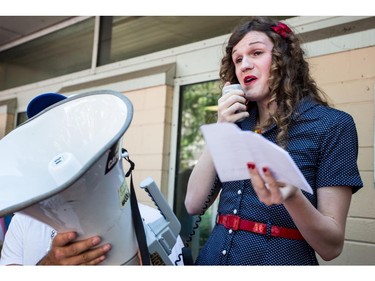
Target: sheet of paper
231 149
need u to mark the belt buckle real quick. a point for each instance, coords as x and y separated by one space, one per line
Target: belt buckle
231 222
275 231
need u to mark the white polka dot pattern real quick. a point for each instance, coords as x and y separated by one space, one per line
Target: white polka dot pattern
323 143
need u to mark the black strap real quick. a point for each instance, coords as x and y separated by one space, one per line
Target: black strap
137 219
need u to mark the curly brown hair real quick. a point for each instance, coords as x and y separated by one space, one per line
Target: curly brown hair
290 78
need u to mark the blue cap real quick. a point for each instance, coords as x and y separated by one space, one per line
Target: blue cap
41 102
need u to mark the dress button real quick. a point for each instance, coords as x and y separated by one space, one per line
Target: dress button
235 211
230 231
224 252
239 192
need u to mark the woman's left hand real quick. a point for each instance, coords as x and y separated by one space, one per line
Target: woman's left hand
269 190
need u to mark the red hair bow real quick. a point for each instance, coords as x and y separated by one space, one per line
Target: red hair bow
281 29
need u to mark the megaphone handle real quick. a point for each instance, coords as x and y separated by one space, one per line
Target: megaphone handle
151 188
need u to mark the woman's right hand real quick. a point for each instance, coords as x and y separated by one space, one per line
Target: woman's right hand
232 106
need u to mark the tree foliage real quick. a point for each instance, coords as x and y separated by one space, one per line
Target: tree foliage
199 102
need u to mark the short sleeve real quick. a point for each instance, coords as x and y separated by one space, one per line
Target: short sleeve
12 251
339 153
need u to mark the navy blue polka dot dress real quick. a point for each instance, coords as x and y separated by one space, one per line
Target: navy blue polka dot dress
323 143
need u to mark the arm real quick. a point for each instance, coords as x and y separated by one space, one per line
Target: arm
200 183
323 228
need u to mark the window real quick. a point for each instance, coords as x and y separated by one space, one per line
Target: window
198 107
7 116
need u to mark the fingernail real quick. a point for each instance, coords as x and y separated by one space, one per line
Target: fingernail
95 241
72 235
251 166
265 169
107 247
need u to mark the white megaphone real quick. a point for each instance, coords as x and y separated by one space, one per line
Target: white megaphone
64 167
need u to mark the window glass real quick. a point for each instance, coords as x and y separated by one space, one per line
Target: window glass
64 51
7 116
198 107
21 118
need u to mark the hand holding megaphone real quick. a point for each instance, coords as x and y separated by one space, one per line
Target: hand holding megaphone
66 251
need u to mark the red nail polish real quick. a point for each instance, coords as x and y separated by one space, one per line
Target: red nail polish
265 169
251 166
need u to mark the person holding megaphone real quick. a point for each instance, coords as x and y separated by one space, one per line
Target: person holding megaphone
29 241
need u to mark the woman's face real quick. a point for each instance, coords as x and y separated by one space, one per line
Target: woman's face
252 58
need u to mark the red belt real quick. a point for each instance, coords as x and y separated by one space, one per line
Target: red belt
236 223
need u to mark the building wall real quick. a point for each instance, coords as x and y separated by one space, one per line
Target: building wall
152 84
348 78
148 138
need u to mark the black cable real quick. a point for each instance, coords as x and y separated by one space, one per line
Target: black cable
186 251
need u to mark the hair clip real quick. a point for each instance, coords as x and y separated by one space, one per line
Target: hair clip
282 29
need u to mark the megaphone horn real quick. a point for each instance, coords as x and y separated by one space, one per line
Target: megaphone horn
63 167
